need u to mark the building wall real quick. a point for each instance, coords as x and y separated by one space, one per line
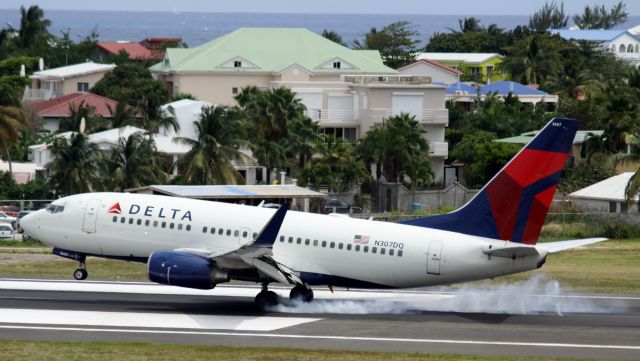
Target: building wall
216 88
396 197
421 68
602 206
70 85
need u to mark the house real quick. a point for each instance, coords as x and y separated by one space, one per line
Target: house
607 196
624 44
347 91
524 93
578 152
51 111
481 67
21 172
56 82
135 50
439 73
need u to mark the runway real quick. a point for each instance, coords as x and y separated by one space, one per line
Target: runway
499 322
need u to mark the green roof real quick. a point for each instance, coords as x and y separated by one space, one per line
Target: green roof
272 50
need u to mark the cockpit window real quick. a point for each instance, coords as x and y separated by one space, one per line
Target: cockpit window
55 209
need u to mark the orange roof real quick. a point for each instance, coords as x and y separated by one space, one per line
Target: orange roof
135 50
59 107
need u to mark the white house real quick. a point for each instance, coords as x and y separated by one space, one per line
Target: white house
439 73
624 44
56 82
606 196
186 112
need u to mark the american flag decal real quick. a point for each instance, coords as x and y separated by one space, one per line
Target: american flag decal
359 239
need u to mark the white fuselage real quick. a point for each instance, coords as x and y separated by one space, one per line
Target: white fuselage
396 255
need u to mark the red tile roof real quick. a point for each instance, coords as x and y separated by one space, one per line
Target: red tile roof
59 107
135 50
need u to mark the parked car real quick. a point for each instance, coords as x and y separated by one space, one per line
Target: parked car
6 231
330 205
7 219
11 211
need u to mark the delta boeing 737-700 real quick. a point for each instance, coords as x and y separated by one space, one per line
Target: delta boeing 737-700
199 244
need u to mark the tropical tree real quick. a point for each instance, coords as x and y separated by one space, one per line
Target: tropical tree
597 17
76 165
534 58
33 27
303 140
13 120
551 16
122 115
397 43
333 36
135 162
335 166
215 149
93 122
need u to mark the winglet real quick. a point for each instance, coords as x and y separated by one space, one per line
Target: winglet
269 233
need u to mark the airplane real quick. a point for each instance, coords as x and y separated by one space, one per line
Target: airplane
200 244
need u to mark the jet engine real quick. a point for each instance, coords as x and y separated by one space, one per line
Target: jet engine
184 270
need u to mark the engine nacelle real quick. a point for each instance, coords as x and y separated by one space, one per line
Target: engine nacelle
184 270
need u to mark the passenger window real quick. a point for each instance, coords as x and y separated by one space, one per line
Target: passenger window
255 235
155 223
299 240
349 247
399 253
171 225
179 226
340 245
139 222
147 223
236 233
290 239
357 248
115 219
366 249
228 232
122 220
204 229
130 220
213 230
188 227
315 242
391 252
374 250
332 245
307 241
281 238
220 231
324 244
382 250
164 224
245 234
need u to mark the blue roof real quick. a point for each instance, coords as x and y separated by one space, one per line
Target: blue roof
506 87
590 35
459 86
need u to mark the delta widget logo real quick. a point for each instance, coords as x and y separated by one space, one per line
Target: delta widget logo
115 209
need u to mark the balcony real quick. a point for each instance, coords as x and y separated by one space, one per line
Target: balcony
40 94
424 116
438 149
329 115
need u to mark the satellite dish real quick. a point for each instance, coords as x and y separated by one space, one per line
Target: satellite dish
23 72
41 64
83 124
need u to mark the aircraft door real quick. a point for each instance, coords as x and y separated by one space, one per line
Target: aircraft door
433 257
90 216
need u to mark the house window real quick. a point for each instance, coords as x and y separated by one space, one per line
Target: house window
623 207
622 48
489 71
630 49
612 207
234 90
237 64
336 65
83 87
476 70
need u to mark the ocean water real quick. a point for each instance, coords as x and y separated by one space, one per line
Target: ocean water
198 28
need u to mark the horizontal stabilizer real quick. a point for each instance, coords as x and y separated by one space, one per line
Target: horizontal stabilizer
511 251
554 247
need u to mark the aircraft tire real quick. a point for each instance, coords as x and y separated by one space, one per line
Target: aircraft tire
301 293
266 299
80 274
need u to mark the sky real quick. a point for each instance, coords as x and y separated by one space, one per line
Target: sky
435 7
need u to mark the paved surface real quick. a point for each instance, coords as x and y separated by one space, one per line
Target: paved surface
599 326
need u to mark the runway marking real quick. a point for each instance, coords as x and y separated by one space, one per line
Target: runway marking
149 320
328 337
237 290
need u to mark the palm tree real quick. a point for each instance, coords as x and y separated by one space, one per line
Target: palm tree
215 149
304 135
155 118
135 162
532 59
122 115
13 120
75 166
33 27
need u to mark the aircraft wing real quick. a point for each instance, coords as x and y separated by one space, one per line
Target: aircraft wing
554 247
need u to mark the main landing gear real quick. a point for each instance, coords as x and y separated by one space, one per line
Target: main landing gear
266 298
81 273
301 293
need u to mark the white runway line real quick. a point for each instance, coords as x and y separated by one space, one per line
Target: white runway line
332 338
148 320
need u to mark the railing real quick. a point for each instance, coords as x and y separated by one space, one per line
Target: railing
331 114
426 116
41 94
438 149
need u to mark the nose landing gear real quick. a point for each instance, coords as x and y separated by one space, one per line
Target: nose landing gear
81 273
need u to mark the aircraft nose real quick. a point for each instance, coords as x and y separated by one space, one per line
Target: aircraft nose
28 223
